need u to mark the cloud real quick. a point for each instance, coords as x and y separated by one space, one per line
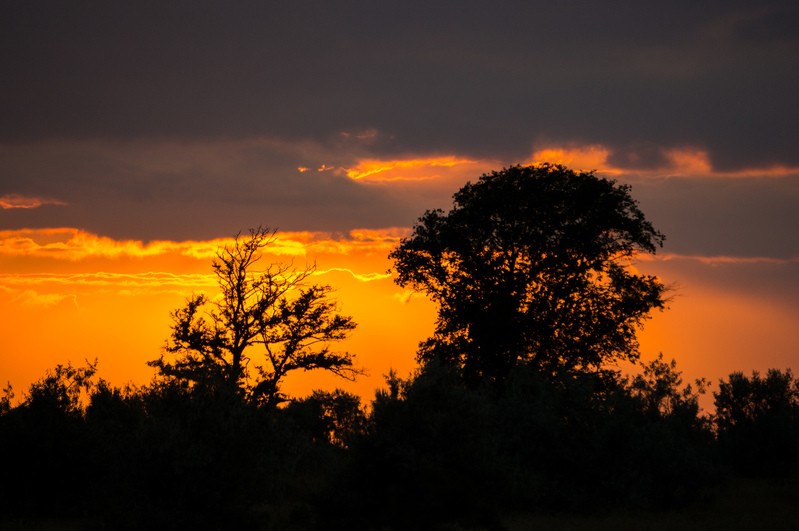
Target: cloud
75 244
409 78
582 158
144 194
193 189
722 216
405 296
362 277
419 169
331 117
71 244
99 280
651 161
719 260
9 201
763 278
33 299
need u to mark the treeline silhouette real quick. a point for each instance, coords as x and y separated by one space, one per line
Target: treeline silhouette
428 450
515 407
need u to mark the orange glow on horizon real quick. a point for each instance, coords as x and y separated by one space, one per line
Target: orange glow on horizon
118 309
69 294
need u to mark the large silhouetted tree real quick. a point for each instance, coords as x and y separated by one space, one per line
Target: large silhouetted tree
530 267
265 323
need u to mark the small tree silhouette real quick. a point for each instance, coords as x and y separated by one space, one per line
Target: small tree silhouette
5 399
59 391
273 309
757 420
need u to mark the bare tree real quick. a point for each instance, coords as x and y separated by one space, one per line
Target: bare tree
265 323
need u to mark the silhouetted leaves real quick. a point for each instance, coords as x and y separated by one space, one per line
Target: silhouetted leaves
757 419
45 447
580 443
529 267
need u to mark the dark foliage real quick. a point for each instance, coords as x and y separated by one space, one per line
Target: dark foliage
757 419
330 418
431 452
45 446
513 408
429 447
581 443
529 267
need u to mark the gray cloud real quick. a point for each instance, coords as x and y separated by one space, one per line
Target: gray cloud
746 217
152 189
466 76
756 280
190 189
189 119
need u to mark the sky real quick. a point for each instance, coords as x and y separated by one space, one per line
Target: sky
137 137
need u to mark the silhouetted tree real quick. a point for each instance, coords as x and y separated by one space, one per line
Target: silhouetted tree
59 392
271 309
432 446
330 417
662 393
5 400
45 446
529 267
668 443
757 419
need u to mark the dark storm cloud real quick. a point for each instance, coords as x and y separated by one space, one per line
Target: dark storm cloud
190 118
144 189
757 279
743 217
468 77
188 189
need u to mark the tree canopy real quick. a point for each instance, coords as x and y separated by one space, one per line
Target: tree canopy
530 266
272 309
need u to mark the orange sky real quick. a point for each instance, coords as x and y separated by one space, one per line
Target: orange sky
70 295
128 147
67 294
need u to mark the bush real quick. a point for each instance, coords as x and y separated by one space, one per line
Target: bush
757 421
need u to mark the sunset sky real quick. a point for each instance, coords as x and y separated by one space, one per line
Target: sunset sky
136 137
